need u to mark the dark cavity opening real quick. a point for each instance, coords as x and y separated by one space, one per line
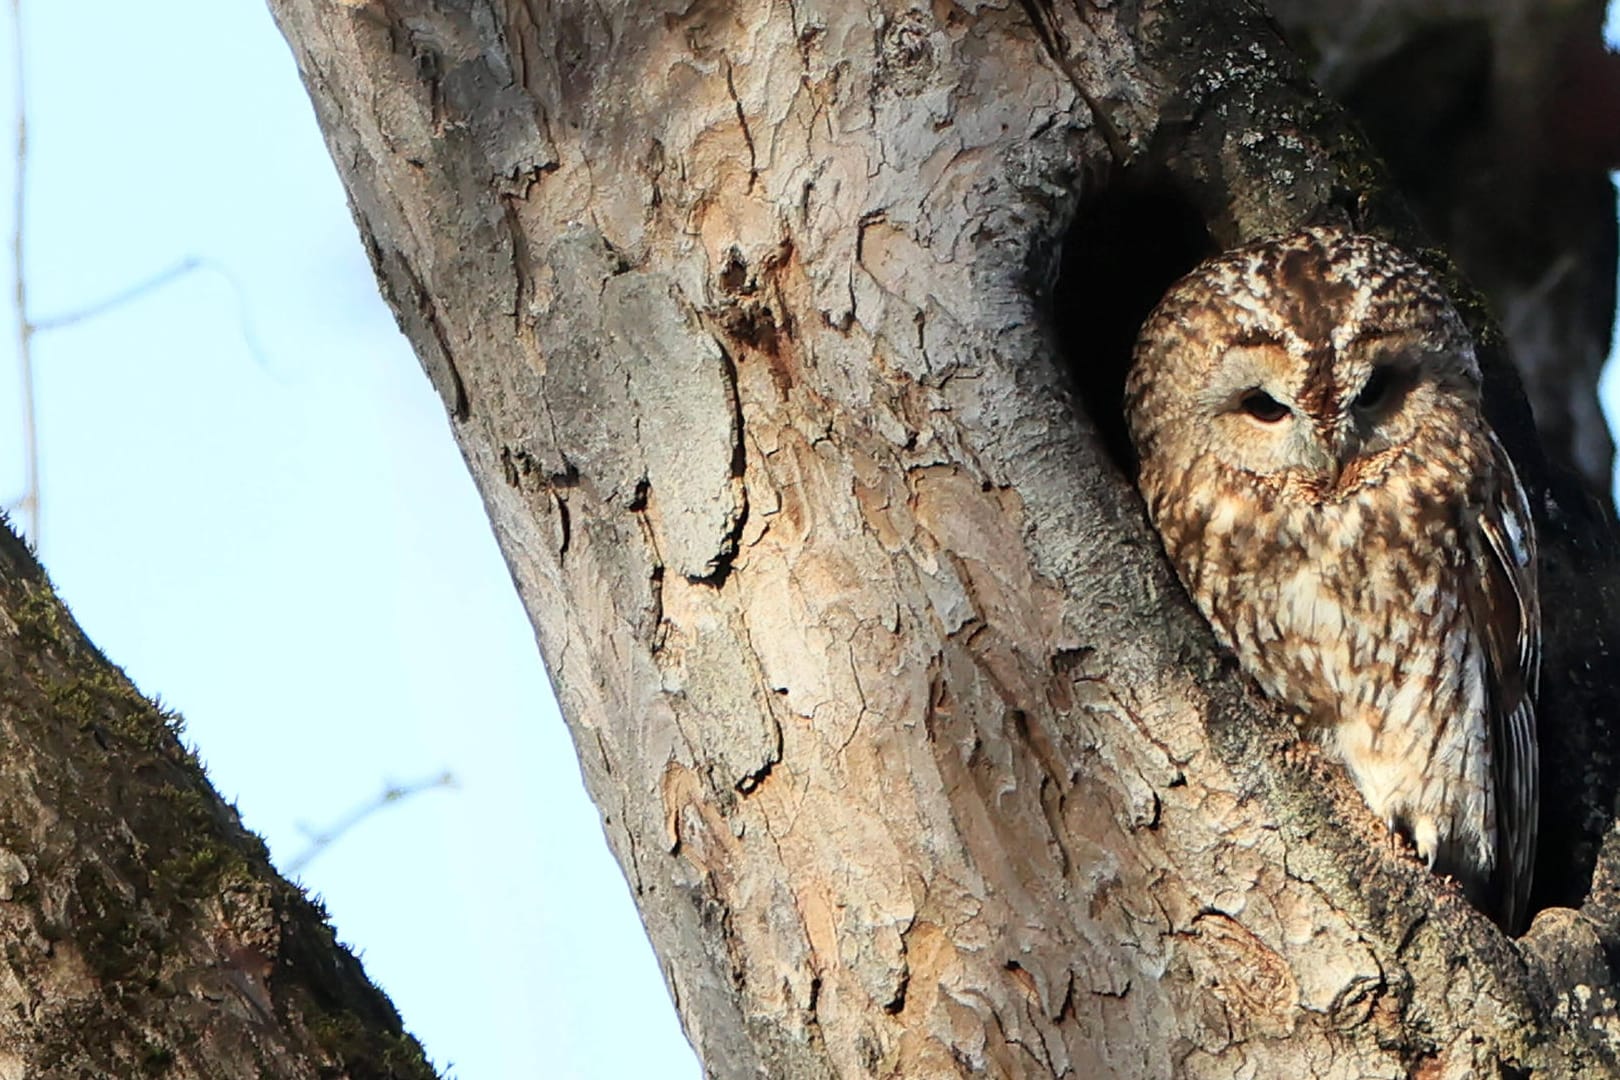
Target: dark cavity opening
1129 243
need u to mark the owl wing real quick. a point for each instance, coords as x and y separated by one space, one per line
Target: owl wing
1508 618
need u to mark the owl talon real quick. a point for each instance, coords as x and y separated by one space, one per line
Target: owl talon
1427 839
1401 845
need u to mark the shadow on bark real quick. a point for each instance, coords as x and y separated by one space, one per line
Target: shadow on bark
1129 242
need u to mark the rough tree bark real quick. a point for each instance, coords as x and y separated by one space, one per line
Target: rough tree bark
783 340
145 932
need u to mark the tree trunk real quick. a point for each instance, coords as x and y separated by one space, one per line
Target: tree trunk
784 343
146 932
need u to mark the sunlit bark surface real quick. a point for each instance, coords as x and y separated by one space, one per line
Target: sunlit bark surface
773 335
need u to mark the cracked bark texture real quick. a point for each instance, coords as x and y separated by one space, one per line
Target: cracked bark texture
146 934
769 334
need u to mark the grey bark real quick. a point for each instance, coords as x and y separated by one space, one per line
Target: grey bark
749 318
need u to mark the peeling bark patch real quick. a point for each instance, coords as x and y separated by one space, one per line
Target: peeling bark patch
906 53
716 687
1252 981
680 388
643 401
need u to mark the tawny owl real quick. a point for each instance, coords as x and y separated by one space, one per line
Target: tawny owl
1307 416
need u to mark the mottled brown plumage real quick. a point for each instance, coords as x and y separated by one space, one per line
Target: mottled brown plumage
1313 453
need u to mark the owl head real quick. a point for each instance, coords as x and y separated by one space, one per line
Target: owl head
1306 360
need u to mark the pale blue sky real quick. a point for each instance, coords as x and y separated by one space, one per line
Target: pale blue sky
286 546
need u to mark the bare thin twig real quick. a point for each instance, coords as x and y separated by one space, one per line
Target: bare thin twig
119 298
244 311
29 503
167 276
320 840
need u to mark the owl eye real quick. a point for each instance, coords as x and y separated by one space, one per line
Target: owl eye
1263 407
1376 389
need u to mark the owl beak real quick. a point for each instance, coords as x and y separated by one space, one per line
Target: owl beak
1319 457
1331 471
